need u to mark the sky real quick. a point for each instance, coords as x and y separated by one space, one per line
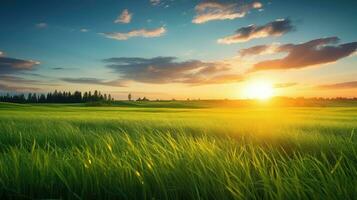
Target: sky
165 49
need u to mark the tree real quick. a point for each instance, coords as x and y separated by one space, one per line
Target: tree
42 98
96 96
129 96
29 97
85 97
56 97
34 98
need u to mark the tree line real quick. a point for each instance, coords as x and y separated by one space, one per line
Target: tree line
57 97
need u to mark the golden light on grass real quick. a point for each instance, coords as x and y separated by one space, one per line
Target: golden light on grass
259 89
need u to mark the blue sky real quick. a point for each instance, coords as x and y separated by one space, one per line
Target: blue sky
67 38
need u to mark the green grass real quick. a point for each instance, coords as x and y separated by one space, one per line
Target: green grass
177 152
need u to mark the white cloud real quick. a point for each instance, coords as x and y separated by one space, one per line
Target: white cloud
244 34
146 33
155 2
209 11
84 30
124 17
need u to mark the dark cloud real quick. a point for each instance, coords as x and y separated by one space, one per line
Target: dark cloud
314 52
33 74
275 28
12 88
64 68
13 65
343 85
169 70
94 81
57 68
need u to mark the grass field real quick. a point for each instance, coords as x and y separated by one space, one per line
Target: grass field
177 152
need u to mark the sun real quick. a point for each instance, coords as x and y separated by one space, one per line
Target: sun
261 90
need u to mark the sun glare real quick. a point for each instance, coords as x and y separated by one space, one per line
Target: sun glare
261 90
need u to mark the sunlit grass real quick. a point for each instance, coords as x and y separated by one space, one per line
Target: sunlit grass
76 152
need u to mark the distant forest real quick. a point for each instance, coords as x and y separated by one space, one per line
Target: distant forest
58 97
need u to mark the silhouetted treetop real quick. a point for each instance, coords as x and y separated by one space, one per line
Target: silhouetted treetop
57 97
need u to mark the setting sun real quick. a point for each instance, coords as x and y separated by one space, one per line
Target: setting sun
261 90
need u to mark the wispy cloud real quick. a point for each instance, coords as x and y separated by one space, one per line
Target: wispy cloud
11 80
259 50
14 88
155 2
10 65
83 30
343 85
146 33
41 25
57 68
16 79
244 34
94 81
314 52
169 70
124 17
212 10
284 85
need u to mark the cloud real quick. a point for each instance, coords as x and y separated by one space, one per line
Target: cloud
57 68
155 2
41 25
259 50
146 33
20 80
64 68
343 85
244 34
314 52
94 81
212 10
7 81
124 17
13 65
83 30
16 79
6 87
216 79
284 85
168 70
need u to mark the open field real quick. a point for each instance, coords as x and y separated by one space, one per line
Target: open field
177 152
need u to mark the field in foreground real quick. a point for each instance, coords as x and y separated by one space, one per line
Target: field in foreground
78 152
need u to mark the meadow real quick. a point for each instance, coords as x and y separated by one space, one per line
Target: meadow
177 151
